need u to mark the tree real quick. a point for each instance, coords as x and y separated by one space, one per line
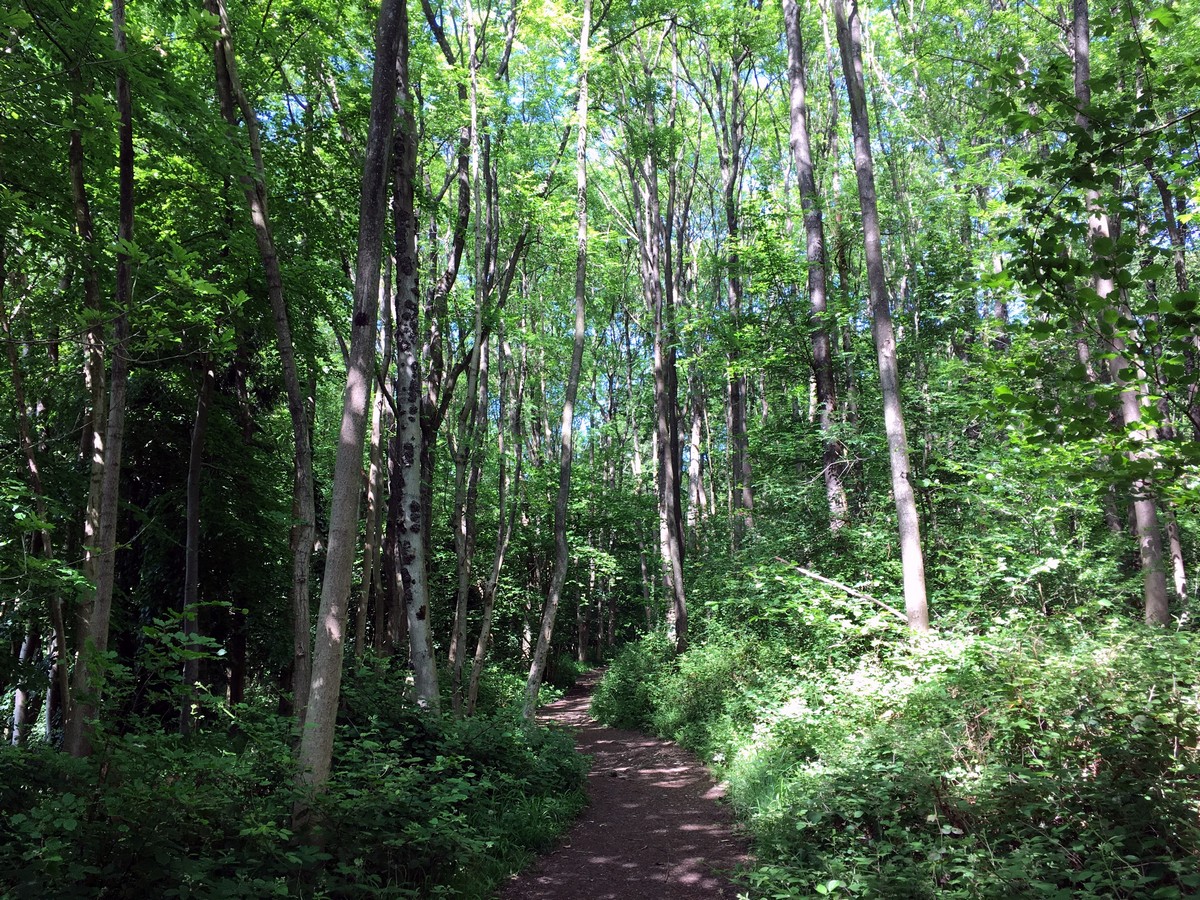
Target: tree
1101 235
235 103
849 32
191 578
94 615
316 740
820 321
558 577
408 506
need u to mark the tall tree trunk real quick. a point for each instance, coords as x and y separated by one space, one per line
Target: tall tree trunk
1100 230
657 289
728 113
849 34
92 444
465 451
95 612
191 571
408 495
820 321
235 103
537 667
697 498
316 741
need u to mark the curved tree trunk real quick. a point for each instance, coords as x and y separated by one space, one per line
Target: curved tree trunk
234 103
849 33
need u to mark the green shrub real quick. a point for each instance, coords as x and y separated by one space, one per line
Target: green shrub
563 671
624 696
418 804
1038 760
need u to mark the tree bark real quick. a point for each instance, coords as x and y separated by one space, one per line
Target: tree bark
409 509
316 742
820 321
370 573
558 578
467 461
1100 229
849 34
95 612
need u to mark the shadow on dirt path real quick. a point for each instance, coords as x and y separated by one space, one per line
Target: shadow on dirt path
654 827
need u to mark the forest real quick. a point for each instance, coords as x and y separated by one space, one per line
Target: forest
829 371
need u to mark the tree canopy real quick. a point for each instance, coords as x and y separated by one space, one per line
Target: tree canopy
367 367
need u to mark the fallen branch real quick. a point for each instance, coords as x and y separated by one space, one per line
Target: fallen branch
845 587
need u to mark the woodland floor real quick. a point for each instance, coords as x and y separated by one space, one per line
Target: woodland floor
654 826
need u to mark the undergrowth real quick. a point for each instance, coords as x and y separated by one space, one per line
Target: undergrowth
419 805
1037 759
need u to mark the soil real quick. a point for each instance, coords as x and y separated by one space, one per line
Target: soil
655 826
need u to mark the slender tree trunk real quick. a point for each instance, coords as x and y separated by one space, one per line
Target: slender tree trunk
696 497
849 33
93 348
511 402
24 700
191 573
729 120
537 667
234 104
316 742
92 445
95 612
1100 230
820 321
466 482
653 243
636 468
371 556
466 454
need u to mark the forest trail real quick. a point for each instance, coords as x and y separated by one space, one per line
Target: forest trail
653 828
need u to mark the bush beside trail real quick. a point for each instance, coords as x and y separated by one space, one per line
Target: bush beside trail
1034 759
419 804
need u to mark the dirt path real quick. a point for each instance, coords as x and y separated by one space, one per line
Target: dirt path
653 828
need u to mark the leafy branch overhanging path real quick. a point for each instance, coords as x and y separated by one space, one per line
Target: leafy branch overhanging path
654 826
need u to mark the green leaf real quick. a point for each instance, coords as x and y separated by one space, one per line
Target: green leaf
1162 18
15 19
